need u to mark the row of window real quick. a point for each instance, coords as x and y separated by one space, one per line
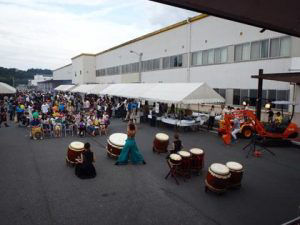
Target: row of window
211 56
271 48
250 95
148 65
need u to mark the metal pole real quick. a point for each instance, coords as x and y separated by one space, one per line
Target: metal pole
140 67
259 94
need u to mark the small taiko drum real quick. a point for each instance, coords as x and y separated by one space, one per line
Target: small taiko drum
74 151
161 142
197 159
236 170
217 178
186 161
36 132
175 159
115 143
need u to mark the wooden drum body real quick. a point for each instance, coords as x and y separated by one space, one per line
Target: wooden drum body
217 178
115 143
197 159
36 132
185 166
236 170
160 143
74 151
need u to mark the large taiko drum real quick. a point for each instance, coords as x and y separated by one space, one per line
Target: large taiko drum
197 159
185 166
217 178
115 143
175 159
74 151
236 170
161 142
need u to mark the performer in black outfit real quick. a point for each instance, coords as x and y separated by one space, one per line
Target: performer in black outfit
84 168
176 147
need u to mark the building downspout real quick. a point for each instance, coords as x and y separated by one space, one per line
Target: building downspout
189 50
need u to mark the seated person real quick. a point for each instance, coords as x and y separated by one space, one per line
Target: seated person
84 168
103 126
278 118
57 126
81 128
90 126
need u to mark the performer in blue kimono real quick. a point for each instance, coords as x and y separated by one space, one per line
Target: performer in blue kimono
130 148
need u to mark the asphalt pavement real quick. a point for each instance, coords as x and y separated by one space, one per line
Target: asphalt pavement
37 187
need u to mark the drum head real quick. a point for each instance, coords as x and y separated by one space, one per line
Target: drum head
175 157
196 151
219 168
77 145
162 136
184 154
234 166
118 139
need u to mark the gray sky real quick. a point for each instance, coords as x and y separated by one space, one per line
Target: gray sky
47 33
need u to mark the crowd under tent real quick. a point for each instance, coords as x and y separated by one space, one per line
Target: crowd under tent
7 89
84 88
65 87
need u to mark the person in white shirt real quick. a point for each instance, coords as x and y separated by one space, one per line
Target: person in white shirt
236 129
45 108
211 119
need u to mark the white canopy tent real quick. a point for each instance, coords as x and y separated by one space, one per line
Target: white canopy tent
65 87
7 89
96 90
183 93
130 90
84 88
179 93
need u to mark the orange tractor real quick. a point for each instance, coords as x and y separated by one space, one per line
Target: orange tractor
251 124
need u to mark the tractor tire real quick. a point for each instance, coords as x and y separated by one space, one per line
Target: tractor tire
247 132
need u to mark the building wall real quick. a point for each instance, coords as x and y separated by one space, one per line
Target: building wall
64 73
83 69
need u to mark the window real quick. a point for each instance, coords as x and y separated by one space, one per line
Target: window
244 96
246 51
238 52
134 67
264 49
285 46
205 57
211 56
242 52
176 61
275 47
221 92
217 55
166 62
224 55
253 96
282 95
255 50
156 64
236 96
196 58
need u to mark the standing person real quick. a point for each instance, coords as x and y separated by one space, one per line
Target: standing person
3 116
211 119
236 129
270 115
45 108
84 168
130 148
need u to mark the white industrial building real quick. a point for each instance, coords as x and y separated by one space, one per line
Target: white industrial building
222 53
39 78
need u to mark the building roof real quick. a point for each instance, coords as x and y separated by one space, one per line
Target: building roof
270 15
173 26
62 67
